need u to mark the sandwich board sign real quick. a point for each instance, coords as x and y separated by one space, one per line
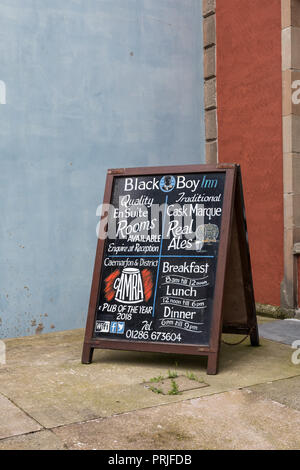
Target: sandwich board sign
172 268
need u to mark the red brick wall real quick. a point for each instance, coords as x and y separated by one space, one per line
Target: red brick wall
249 94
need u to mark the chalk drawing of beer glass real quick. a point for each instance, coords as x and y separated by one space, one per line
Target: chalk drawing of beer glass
129 287
199 237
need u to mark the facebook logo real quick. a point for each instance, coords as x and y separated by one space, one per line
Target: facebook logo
121 327
117 327
113 327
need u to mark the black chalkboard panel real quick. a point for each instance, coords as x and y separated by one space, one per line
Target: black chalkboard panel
170 240
159 265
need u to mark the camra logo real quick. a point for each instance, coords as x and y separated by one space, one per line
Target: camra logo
167 183
131 286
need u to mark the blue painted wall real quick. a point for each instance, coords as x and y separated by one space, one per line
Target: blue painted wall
90 85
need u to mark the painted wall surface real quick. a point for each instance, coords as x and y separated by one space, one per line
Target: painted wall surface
90 85
250 127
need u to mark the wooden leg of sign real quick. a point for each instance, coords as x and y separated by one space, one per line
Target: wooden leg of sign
212 364
254 336
87 354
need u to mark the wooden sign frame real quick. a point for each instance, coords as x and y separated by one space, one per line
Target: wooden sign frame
233 309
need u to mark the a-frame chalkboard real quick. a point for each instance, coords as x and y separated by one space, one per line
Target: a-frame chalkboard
174 270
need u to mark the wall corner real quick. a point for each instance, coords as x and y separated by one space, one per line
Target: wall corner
290 16
210 79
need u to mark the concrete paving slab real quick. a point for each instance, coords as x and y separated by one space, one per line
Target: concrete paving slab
13 421
232 420
42 440
165 385
286 392
44 350
283 331
44 376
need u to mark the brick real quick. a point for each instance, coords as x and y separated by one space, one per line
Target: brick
291 237
289 286
295 13
288 211
290 13
286 13
291 92
212 153
287 173
210 62
296 173
296 209
290 48
286 92
291 210
211 124
291 134
208 7
286 46
291 173
297 234
295 48
210 98
209 31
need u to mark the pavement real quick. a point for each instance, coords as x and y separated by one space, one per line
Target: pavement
286 331
127 400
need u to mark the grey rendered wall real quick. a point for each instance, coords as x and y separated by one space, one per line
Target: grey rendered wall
90 85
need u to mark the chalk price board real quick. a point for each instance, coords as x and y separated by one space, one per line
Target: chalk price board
159 264
158 269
